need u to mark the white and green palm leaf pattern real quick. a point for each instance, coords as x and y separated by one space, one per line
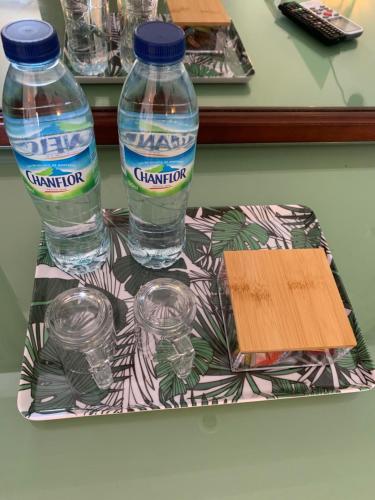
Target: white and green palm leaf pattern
145 383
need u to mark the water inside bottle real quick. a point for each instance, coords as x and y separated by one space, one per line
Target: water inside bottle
50 128
157 223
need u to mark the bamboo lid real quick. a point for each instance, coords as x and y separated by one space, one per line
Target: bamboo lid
286 300
198 13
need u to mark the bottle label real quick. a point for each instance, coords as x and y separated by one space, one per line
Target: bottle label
158 163
59 166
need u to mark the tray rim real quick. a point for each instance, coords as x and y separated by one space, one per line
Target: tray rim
79 412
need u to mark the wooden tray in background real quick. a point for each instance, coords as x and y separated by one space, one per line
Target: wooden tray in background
198 13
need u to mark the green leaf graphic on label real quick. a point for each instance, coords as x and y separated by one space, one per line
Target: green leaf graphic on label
46 172
156 170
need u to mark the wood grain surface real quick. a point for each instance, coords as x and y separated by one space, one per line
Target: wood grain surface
198 13
257 125
286 300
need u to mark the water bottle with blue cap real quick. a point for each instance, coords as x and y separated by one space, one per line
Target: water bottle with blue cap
158 124
50 128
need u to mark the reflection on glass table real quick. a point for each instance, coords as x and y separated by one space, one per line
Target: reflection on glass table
212 56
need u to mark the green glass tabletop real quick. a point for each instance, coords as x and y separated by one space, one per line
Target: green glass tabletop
316 447
320 447
292 69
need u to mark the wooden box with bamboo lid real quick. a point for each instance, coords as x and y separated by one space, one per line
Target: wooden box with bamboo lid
206 24
282 307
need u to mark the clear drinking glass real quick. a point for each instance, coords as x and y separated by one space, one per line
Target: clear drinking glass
80 325
133 13
164 310
86 28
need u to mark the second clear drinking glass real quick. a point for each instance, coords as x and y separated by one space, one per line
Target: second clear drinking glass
164 310
133 14
86 29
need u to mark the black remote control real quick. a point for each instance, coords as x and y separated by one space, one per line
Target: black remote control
316 26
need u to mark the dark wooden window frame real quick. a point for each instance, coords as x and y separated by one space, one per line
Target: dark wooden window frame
258 125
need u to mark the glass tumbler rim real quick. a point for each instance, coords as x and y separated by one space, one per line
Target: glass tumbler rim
173 324
146 6
82 337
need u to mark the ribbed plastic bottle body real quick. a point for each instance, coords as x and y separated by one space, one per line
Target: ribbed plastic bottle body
50 127
158 124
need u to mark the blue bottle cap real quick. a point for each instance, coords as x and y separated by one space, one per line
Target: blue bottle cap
30 41
159 43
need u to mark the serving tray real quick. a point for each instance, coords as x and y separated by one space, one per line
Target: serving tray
141 384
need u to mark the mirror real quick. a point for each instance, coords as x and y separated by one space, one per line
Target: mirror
301 91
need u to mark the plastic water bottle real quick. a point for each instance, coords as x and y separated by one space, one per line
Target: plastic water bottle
50 128
86 28
158 123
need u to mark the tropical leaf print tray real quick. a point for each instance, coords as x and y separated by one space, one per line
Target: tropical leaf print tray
144 384
228 63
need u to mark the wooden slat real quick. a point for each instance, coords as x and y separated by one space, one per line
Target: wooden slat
286 125
286 300
198 13
257 125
